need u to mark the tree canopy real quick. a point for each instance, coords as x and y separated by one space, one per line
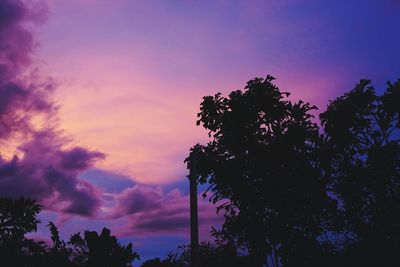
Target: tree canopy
362 149
294 193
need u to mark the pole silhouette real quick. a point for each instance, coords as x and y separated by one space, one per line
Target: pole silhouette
194 224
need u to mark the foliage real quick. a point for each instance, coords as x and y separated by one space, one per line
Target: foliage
101 250
363 147
263 163
18 217
210 255
294 193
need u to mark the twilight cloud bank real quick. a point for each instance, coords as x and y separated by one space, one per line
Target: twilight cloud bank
35 162
149 211
39 162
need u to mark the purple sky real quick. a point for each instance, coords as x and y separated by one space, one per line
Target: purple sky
98 98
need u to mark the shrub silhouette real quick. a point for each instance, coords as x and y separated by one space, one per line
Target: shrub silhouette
210 255
93 250
18 217
104 250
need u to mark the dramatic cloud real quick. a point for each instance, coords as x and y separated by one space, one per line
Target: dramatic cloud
49 173
22 94
150 211
139 199
42 167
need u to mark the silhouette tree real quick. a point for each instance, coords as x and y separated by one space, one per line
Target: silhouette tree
17 218
263 166
362 162
59 254
93 250
101 250
79 250
157 262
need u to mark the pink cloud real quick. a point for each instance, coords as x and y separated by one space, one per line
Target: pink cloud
49 174
148 211
138 199
22 95
35 161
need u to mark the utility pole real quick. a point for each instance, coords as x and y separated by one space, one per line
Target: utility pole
194 223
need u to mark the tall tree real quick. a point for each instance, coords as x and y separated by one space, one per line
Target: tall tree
362 161
263 168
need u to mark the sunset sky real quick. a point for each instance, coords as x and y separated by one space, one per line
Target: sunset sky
98 98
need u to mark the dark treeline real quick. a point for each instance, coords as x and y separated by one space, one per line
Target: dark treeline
294 190
18 218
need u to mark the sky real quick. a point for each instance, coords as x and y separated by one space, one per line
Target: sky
98 98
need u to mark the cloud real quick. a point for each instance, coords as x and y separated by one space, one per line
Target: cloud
42 167
49 173
22 94
138 199
150 211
